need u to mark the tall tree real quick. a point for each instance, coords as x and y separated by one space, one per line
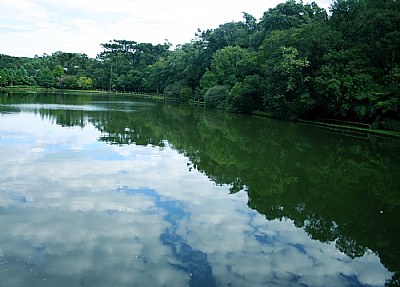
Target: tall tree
45 78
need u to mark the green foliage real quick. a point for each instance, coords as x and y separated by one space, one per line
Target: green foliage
234 69
185 94
67 82
124 66
11 76
294 62
207 81
345 87
389 123
216 97
286 77
229 34
225 65
291 67
45 78
246 96
84 83
156 79
3 78
58 71
178 90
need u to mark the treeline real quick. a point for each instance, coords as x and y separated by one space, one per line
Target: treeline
298 60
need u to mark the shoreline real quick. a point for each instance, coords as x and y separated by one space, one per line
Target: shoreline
159 97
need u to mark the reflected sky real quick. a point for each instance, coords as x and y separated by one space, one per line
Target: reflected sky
78 212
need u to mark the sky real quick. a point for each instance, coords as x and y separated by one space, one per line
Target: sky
74 207
35 27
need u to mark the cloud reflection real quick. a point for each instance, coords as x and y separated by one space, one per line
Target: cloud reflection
81 212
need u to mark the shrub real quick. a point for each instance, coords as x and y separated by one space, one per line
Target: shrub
216 97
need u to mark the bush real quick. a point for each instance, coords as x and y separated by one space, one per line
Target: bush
390 124
246 96
185 94
179 90
216 97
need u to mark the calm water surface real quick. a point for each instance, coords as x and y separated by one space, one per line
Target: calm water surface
110 191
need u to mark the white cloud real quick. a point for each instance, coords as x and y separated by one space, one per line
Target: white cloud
89 212
44 26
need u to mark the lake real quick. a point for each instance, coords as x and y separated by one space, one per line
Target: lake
101 190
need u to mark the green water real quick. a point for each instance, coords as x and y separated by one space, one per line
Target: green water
112 191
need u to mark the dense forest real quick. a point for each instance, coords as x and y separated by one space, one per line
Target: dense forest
297 61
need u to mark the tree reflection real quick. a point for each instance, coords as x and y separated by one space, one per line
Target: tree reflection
337 188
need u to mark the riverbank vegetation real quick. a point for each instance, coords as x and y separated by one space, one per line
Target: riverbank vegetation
297 61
